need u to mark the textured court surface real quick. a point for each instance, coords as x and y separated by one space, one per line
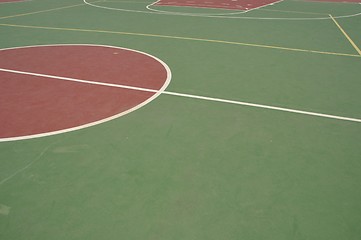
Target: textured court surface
58 83
257 135
226 4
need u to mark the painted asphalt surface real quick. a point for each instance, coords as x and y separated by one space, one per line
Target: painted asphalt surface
34 104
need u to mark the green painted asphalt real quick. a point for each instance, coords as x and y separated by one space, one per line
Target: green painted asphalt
181 168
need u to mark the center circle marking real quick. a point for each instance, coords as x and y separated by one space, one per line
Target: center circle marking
53 89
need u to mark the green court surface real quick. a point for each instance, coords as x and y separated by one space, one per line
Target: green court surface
223 153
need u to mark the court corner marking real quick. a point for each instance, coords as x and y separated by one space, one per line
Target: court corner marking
346 35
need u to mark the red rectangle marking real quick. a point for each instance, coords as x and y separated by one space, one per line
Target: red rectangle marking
243 5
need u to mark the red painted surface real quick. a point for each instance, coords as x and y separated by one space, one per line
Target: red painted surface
93 63
32 105
224 4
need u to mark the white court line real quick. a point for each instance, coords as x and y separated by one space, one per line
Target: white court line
79 80
264 106
269 4
190 96
155 95
224 16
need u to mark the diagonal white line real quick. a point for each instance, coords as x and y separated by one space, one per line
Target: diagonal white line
189 96
79 80
263 106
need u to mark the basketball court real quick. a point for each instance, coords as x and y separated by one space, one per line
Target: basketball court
180 119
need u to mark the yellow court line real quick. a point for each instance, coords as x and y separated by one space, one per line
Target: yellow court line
288 11
346 35
48 10
182 38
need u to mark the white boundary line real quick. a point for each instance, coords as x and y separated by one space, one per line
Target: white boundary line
224 16
193 14
264 106
188 96
79 80
269 4
157 92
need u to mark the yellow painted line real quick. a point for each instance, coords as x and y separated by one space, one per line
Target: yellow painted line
275 10
346 35
48 10
182 38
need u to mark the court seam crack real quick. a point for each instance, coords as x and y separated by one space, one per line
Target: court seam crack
36 159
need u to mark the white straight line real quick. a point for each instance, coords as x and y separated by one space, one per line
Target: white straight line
189 96
90 124
225 16
79 80
269 4
234 12
263 106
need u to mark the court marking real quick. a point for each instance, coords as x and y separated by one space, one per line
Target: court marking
346 35
16 1
210 14
224 16
148 100
193 14
266 5
212 99
290 11
42 11
185 38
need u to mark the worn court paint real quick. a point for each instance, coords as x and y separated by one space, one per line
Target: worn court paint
4 210
223 4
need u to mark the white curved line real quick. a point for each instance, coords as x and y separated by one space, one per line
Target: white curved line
190 14
226 17
157 93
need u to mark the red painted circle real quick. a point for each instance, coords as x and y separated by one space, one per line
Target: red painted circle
32 105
